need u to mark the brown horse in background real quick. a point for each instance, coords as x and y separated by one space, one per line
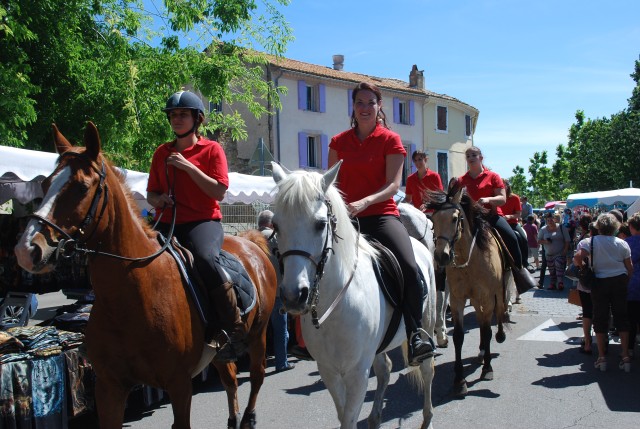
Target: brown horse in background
144 327
471 254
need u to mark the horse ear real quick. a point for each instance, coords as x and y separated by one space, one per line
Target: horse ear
61 143
278 171
458 195
92 141
330 176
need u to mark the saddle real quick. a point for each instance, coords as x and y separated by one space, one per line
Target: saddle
391 282
523 283
199 290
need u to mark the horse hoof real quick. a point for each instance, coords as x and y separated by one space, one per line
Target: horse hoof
232 422
460 389
500 337
487 375
443 342
248 420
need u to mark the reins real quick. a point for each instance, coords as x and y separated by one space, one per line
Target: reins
314 294
459 233
71 244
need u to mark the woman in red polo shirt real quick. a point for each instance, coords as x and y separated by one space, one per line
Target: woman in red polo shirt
372 158
191 172
487 188
421 181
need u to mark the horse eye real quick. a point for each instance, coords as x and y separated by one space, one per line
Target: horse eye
321 225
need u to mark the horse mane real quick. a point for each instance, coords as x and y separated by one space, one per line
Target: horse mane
474 212
132 205
301 190
257 238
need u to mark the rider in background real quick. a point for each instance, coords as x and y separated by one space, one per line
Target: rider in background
373 157
191 172
421 181
487 188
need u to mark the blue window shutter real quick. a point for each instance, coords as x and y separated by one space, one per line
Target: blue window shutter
349 102
324 139
323 98
412 148
396 110
302 150
302 95
412 113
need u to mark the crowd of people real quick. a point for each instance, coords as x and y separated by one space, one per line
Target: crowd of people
191 170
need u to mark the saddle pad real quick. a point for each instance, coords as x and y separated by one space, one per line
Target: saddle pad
245 290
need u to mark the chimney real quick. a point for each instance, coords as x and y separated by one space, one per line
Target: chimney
416 78
338 62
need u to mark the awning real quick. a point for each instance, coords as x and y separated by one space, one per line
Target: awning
552 204
625 196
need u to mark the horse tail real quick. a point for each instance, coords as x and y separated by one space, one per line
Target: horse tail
257 238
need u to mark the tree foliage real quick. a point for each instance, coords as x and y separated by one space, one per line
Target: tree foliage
115 63
600 154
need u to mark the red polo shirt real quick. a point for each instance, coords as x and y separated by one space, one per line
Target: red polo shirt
192 204
511 206
363 167
416 187
482 186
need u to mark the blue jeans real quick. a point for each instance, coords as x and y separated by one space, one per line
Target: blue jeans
280 334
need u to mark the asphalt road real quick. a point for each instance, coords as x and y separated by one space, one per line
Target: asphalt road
541 381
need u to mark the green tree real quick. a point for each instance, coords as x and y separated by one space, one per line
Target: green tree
115 63
519 182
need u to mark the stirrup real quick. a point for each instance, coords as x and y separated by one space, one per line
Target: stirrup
226 352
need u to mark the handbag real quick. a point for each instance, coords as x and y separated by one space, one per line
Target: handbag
586 275
574 297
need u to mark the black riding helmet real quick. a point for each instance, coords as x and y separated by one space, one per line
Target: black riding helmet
186 100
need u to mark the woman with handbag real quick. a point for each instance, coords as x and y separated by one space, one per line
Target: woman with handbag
611 258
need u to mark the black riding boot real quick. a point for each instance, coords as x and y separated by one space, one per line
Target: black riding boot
421 345
225 304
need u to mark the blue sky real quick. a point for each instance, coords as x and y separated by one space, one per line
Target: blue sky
527 66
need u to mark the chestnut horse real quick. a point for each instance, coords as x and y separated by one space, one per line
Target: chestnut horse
144 327
471 254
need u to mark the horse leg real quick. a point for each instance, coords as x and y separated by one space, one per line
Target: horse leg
335 386
257 355
180 392
459 383
382 367
441 314
111 399
427 368
485 338
227 373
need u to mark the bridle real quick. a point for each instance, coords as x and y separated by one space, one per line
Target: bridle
76 242
314 293
459 231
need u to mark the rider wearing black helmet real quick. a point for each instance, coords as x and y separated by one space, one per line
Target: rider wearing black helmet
191 172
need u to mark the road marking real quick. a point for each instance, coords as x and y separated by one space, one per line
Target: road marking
548 331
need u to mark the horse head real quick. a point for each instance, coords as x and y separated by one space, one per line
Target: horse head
448 220
308 212
73 195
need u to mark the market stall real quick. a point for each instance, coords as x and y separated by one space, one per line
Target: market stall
617 198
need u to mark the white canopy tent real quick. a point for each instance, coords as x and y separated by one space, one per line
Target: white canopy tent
22 171
627 196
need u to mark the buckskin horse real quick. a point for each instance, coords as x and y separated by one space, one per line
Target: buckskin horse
144 327
329 280
471 254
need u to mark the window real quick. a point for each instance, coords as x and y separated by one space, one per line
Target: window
443 168
467 125
313 150
403 111
215 107
442 120
311 97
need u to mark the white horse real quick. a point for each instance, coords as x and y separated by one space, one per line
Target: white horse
420 227
329 280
